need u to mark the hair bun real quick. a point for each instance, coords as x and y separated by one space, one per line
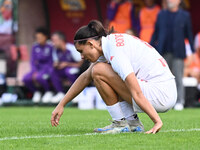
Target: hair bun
91 25
93 29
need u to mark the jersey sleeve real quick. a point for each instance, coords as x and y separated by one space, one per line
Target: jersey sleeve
121 65
116 51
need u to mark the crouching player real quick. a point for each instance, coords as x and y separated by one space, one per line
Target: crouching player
129 74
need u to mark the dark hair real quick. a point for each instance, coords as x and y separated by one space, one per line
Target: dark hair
93 30
60 35
43 31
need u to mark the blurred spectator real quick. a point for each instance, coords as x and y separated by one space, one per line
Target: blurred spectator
6 37
197 42
121 16
6 17
148 16
189 55
173 26
41 66
164 4
192 67
67 62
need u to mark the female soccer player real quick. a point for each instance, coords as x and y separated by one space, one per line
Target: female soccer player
129 74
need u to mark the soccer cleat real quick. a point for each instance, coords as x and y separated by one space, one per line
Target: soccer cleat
47 97
115 127
58 97
36 97
136 125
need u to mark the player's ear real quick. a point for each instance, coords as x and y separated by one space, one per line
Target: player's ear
90 43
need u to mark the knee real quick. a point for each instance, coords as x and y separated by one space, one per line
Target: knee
99 70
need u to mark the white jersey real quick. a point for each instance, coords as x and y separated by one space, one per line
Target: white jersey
128 54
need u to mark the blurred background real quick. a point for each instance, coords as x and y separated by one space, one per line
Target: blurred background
36 35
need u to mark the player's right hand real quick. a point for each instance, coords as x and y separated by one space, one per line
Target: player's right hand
56 114
156 128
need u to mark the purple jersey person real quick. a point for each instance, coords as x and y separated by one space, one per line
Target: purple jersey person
123 21
41 65
66 64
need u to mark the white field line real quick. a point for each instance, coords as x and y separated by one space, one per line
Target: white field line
43 136
181 130
87 134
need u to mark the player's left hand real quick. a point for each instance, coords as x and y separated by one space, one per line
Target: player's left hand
56 114
156 128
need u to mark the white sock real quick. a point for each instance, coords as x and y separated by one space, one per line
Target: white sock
127 110
115 112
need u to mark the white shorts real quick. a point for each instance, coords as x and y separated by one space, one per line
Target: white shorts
161 95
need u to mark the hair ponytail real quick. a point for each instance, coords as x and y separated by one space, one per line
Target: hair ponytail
93 30
97 27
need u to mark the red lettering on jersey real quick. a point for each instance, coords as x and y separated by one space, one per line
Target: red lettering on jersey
163 62
111 57
119 44
143 80
119 40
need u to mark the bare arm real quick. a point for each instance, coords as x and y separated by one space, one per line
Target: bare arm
142 102
76 64
83 80
62 65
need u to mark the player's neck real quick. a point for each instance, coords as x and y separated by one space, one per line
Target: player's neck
100 50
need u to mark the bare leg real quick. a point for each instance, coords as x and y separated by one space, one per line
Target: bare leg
109 84
113 89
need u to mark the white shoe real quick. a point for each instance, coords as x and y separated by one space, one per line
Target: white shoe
58 97
37 97
136 125
115 127
178 107
47 97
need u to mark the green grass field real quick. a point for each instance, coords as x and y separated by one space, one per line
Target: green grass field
29 128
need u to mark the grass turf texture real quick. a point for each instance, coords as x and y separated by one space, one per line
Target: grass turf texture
34 122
